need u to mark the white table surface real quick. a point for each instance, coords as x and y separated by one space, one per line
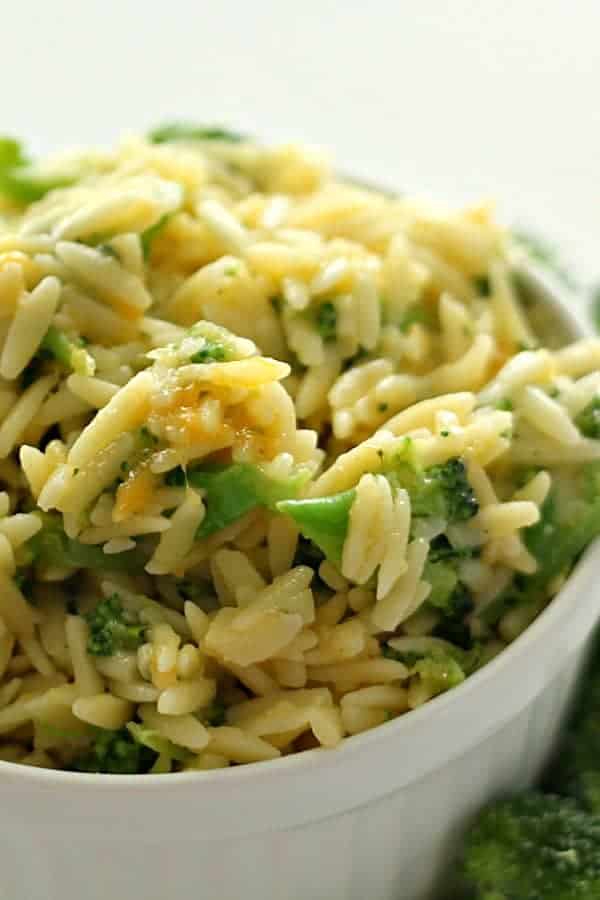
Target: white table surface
455 100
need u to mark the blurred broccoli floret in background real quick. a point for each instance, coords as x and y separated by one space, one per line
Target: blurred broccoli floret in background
542 846
576 772
533 847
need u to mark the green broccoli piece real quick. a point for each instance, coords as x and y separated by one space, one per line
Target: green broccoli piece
533 847
213 351
215 715
21 181
115 753
67 352
231 491
482 285
442 491
148 236
416 315
443 579
326 320
152 740
438 673
186 131
569 521
576 771
588 420
450 597
113 628
51 547
323 520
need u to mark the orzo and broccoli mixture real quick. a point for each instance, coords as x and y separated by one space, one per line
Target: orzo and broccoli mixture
281 457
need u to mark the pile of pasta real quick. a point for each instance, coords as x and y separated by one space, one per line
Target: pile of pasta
280 454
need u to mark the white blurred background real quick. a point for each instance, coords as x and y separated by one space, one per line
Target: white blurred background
454 100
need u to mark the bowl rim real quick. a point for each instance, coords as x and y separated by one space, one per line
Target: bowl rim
558 298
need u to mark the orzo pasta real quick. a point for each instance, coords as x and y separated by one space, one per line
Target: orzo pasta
282 457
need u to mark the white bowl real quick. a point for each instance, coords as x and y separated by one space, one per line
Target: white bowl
378 818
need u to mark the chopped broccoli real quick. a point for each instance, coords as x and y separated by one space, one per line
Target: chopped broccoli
448 594
533 847
576 771
323 520
113 628
52 547
588 420
482 285
442 491
66 352
20 181
416 315
215 715
115 753
213 351
186 131
438 673
443 579
176 477
152 740
148 236
568 523
326 319
233 490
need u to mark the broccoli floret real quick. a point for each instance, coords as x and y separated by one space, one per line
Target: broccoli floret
569 521
213 351
533 847
438 673
442 491
443 579
113 628
576 771
588 420
215 715
115 753
482 285
326 319
460 500
452 599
